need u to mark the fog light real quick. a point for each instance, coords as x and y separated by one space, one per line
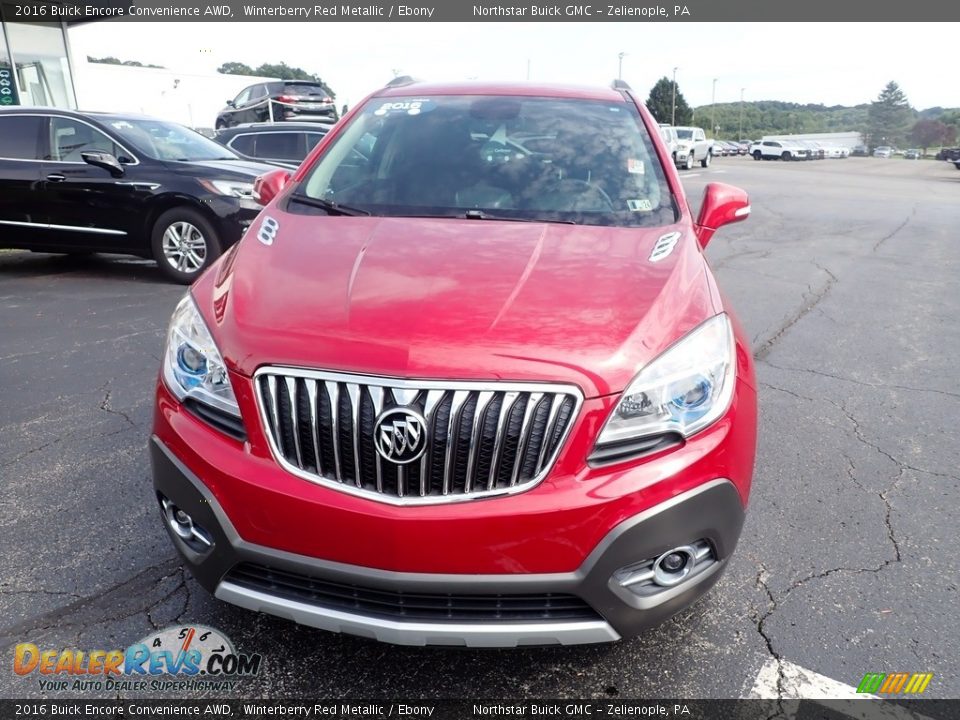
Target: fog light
674 565
183 526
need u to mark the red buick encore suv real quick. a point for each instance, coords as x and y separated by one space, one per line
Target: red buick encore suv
467 379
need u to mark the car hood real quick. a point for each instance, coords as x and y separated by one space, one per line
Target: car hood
224 168
455 299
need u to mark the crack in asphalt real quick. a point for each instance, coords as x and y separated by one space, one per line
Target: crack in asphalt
154 574
105 406
900 227
812 300
864 383
761 620
67 436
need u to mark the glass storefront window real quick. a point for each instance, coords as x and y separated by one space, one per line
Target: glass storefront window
8 87
40 56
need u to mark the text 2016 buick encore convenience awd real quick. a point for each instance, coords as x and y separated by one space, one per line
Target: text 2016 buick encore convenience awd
467 379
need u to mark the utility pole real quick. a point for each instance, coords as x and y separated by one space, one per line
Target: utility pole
673 102
713 108
740 128
620 65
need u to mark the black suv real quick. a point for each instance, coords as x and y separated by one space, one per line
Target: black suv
89 182
279 101
283 144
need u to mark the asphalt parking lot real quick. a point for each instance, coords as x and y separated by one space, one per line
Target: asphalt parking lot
846 280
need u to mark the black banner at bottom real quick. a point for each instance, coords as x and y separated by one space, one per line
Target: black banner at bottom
467 709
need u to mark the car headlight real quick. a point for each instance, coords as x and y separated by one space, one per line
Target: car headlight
233 188
682 391
192 365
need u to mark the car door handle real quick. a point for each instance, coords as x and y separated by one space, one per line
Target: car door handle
56 177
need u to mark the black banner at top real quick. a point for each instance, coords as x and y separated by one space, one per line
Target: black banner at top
725 11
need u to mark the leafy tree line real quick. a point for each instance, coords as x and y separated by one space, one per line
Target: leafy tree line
277 70
109 60
888 120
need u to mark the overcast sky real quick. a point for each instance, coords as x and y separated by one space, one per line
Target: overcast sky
834 64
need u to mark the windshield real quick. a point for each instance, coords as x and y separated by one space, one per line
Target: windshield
168 141
540 159
685 134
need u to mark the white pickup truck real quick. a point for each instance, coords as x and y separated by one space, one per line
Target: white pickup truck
693 147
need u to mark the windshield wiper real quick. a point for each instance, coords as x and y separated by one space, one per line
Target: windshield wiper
481 215
331 207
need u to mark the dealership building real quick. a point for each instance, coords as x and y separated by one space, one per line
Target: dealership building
35 64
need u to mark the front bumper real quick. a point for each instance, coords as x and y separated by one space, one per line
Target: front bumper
711 512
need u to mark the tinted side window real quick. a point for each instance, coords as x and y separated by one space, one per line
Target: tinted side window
243 97
20 137
281 146
69 139
258 91
313 139
242 144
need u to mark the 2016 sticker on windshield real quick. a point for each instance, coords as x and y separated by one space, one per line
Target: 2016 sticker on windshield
407 107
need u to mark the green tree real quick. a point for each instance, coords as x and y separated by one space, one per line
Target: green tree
110 60
926 133
889 116
235 68
660 103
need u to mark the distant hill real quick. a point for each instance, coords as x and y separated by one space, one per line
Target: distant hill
773 117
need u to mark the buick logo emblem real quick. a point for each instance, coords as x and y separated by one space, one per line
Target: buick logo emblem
400 435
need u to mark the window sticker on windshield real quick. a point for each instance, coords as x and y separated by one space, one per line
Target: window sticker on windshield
408 107
634 166
640 205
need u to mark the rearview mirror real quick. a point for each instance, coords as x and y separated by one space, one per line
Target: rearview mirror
722 204
103 160
266 187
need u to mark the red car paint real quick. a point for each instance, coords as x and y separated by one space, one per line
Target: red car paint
447 298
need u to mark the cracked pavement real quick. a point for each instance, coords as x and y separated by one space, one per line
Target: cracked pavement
845 279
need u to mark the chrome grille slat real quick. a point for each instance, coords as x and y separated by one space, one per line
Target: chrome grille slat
485 396
291 384
482 438
333 392
505 409
353 393
460 398
532 401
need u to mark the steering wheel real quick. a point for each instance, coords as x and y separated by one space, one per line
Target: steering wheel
578 192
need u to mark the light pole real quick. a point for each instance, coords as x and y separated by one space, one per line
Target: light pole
713 105
673 102
620 57
740 128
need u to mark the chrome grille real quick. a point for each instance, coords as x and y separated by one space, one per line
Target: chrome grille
482 439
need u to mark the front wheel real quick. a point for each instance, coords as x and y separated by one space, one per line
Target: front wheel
705 163
184 244
688 163
785 156
757 155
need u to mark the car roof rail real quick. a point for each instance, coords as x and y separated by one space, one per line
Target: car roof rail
401 80
619 84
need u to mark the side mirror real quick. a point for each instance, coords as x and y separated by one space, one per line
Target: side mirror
722 204
230 103
267 187
104 160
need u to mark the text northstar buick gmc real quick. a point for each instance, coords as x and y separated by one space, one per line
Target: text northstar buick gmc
467 379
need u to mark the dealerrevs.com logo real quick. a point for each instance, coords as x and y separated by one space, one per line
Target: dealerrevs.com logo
192 657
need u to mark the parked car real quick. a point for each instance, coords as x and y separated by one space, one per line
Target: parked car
884 151
860 151
912 154
837 152
284 144
778 150
693 147
282 100
949 154
90 182
366 424
669 136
